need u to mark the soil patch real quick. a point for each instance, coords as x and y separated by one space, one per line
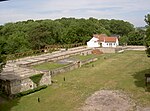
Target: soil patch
108 100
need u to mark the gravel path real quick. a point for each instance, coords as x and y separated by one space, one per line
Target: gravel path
108 100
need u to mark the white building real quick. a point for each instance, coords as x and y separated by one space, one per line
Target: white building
93 42
103 40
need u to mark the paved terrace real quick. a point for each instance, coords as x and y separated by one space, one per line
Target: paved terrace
18 69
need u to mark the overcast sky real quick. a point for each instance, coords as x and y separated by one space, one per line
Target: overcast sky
129 10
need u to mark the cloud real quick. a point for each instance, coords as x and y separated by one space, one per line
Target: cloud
131 10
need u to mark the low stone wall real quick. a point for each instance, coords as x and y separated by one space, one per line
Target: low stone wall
88 61
118 49
5 86
71 66
15 86
86 52
108 50
55 58
65 68
46 79
18 86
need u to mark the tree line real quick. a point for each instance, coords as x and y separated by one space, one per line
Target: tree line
32 35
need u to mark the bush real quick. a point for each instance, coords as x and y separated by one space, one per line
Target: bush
148 52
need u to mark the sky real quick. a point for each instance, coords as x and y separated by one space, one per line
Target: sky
133 11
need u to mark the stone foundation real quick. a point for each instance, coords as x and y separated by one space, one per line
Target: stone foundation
15 77
11 87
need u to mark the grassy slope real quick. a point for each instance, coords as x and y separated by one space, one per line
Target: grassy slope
118 71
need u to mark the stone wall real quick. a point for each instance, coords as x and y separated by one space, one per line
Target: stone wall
86 52
5 86
46 79
71 66
88 61
23 84
18 86
56 58
118 49
65 68
108 50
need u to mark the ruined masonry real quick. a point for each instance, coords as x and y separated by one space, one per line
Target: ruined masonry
16 76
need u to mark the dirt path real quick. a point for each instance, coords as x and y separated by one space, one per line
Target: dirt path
108 100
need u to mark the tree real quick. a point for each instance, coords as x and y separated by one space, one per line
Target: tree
147 39
123 40
2 62
120 27
2 58
135 38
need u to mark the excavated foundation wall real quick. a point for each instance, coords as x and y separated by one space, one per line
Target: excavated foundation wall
15 86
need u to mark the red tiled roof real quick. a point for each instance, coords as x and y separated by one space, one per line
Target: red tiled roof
105 38
110 39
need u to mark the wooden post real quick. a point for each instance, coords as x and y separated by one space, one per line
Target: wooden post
38 99
64 79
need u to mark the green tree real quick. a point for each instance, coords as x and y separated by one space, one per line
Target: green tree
135 38
120 27
17 42
147 39
2 62
2 57
123 40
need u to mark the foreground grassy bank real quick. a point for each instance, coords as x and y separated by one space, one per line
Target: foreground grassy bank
112 71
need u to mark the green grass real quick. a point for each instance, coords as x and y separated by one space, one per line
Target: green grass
84 57
53 65
36 78
123 72
48 66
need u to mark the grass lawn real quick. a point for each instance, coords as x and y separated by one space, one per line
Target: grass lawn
84 57
48 66
123 72
53 65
